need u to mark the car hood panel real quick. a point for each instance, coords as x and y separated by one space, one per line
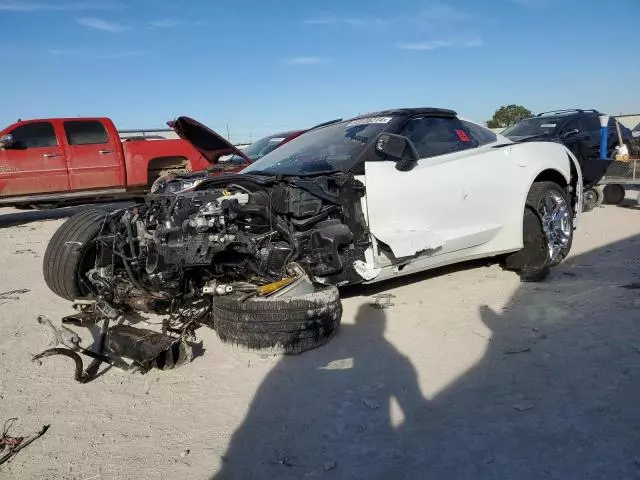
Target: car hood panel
210 144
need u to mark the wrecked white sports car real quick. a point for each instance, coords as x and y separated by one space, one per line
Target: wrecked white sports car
258 255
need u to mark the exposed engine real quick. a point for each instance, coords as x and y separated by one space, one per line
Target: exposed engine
236 235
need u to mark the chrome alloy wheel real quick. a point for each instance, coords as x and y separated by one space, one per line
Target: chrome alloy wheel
556 224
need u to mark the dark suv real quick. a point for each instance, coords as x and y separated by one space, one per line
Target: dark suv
579 130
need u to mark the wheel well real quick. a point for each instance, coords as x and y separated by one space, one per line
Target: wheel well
160 165
552 176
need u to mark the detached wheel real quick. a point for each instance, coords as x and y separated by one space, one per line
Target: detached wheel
547 232
71 253
289 325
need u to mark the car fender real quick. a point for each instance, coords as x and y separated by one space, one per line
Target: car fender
543 159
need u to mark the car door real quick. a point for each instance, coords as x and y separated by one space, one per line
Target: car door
459 194
34 162
94 160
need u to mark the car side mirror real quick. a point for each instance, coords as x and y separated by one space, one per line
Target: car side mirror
6 141
570 133
399 149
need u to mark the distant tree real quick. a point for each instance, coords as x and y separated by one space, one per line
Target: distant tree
508 115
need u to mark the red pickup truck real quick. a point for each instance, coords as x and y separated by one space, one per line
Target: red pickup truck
68 160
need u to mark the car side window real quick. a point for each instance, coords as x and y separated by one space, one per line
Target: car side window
574 124
34 135
435 136
85 132
481 135
591 123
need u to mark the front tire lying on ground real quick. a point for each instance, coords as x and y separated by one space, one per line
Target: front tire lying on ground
547 232
288 325
70 254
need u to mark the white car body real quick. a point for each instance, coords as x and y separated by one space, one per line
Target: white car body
457 207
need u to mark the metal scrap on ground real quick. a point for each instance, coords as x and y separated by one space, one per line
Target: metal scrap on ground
14 444
383 300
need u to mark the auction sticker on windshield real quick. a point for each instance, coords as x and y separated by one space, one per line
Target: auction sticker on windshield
368 121
548 125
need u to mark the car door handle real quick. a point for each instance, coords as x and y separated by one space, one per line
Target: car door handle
105 152
51 155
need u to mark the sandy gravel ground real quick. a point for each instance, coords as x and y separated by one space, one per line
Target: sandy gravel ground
467 375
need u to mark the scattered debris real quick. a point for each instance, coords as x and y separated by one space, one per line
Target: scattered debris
382 301
523 406
569 274
340 364
329 466
6 441
285 461
27 250
15 444
13 294
631 286
481 335
185 453
515 350
145 349
370 403
92 478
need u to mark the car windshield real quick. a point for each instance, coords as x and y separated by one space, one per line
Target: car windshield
327 149
530 127
258 149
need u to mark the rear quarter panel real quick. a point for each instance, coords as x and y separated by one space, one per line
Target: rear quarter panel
537 157
530 160
139 153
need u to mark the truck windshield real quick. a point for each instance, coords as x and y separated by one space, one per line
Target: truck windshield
326 149
531 127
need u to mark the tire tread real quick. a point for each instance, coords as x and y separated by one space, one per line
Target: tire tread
60 262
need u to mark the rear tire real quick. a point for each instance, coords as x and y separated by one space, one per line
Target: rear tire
289 325
69 254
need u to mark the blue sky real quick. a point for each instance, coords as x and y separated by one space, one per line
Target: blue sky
262 66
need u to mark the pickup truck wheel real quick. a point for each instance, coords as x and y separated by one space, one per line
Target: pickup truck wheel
547 232
288 325
70 254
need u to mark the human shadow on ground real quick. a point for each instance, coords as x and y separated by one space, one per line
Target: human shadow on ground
337 398
22 217
555 395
